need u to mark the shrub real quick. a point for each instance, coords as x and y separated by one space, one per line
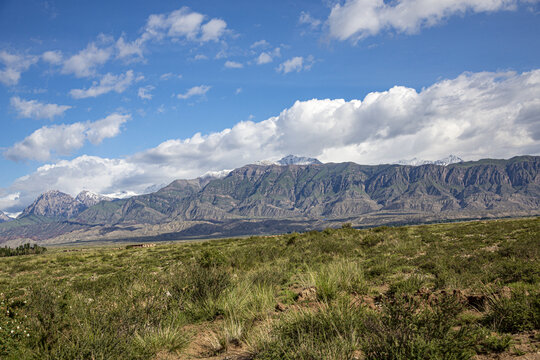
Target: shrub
408 330
516 313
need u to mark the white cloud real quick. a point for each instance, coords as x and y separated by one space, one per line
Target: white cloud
37 110
268 56
65 138
53 57
297 64
168 76
233 65
358 19
260 43
238 91
14 66
108 127
213 30
475 115
201 57
108 83
264 58
144 92
306 18
133 50
196 90
183 23
84 63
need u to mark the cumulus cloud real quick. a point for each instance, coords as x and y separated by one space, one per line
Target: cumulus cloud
213 30
475 115
108 127
233 65
268 56
84 63
65 138
358 19
264 58
108 83
297 64
53 57
195 91
144 92
183 23
14 66
37 110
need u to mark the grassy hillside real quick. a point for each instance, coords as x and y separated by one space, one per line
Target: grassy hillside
449 291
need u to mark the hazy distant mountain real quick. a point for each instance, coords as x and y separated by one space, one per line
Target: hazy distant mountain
450 159
269 198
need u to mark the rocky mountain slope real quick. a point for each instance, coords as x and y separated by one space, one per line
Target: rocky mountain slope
56 204
307 194
4 217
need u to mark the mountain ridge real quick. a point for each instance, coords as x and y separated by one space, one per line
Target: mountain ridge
4 217
313 193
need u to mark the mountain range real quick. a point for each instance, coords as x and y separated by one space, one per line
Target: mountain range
293 194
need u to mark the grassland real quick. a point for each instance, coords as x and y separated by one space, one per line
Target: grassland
448 291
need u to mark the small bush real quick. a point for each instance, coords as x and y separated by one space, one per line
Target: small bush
408 330
493 343
517 313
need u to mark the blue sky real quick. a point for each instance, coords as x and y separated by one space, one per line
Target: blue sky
114 96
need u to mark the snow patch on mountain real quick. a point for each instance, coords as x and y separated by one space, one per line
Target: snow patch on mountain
290 160
450 159
89 198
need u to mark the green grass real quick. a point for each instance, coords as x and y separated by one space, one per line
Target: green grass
446 291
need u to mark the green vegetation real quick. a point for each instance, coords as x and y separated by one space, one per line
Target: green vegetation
446 291
25 249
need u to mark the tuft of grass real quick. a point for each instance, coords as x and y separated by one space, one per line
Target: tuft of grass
169 338
330 332
339 276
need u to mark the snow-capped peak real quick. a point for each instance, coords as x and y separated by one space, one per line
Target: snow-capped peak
89 198
450 159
